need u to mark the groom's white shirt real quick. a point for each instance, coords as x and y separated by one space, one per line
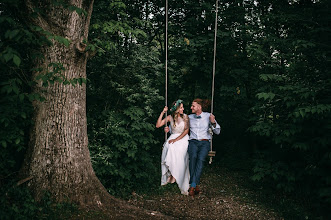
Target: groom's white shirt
199 127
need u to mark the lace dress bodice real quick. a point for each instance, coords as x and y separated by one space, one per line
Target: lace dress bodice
181 124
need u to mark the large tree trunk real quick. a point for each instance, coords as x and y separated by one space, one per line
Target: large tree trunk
58 159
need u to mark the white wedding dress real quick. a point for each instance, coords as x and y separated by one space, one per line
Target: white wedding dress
174 159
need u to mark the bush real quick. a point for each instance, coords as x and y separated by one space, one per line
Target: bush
121 121
17 202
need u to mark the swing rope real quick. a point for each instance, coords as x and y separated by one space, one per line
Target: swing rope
166 64
166 71
214 61
211 152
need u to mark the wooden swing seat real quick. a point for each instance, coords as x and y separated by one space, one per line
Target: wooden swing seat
211 153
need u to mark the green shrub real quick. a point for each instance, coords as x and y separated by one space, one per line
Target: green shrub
121 121
17 202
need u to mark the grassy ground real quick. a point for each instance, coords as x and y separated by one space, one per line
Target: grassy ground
227 194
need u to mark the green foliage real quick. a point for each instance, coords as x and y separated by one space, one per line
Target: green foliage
17 202
121 99
279 171
15 108
16 41
293 112
19 50
121 135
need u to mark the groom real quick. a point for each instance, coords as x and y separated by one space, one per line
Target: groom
199 142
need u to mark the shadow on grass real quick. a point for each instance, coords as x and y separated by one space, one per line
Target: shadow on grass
289 206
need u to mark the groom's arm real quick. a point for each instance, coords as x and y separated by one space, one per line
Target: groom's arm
214 125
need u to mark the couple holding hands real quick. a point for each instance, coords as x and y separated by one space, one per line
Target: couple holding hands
186 149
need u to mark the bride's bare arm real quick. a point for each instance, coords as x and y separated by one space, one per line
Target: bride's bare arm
185 132
161 122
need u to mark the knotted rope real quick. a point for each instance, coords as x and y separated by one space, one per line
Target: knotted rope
213 86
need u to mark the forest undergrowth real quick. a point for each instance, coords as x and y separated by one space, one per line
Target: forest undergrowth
226 194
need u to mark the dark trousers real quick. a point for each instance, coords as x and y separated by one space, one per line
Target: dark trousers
198 151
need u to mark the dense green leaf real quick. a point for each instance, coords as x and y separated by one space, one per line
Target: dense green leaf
16 60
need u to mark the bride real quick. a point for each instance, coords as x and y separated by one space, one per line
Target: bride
174 159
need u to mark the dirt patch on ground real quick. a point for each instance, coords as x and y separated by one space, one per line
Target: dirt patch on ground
222 197
226 194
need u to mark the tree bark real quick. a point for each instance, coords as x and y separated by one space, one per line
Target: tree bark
58 159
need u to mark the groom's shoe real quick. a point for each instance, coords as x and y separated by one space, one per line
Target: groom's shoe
191 191
197 190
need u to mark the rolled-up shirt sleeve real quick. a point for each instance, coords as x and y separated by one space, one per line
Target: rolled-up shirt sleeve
216 129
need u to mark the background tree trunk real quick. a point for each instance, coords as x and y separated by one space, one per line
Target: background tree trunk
58 159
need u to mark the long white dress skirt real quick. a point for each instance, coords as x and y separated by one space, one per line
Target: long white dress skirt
175 162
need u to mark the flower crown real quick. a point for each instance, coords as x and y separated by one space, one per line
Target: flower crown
174 107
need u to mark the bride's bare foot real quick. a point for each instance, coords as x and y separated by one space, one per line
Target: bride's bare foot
171 179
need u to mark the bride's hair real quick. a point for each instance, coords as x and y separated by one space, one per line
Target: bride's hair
205 103
174 113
